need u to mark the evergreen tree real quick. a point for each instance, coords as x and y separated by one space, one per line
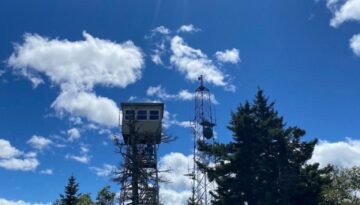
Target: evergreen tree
105 196
71 196
265 163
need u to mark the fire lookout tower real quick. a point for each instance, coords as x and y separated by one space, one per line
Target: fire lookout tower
142 131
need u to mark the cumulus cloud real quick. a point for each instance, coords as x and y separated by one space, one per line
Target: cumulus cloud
83 157
355 44
178 190
19 202
13 159
94 108
76 67
22 164
73 134
344 11
39 142
228 56
161 30
105 171
342 153
8 151
193 63
188 29
82 63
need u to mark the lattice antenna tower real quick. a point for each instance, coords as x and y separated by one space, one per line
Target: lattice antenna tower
138 174
202 126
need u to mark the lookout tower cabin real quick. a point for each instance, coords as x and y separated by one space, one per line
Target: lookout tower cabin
142 122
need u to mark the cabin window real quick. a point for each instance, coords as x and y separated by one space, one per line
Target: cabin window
142 115
154 114
129 114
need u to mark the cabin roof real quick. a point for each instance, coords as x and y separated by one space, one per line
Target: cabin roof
143 104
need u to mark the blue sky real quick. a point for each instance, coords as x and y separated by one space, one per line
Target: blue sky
66 66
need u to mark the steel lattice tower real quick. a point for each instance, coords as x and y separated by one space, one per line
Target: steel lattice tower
138 175
202 127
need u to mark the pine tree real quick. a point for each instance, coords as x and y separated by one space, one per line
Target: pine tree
71 196
265 163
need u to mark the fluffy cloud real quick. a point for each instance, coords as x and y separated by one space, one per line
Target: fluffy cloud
25 164
355 44
342 153
228 56
188 29
73 134
94 108
161 30
83 157
13 159
78 66
8 151
83 63
344 11
178 190
18 202
105 171
193 63
39 142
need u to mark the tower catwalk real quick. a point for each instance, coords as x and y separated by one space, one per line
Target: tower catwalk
141 130
202 127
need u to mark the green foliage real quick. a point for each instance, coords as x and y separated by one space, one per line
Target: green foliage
85 199
71 196
345 187
265 163
105 197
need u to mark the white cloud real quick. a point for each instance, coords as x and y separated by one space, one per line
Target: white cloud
344 11
78 66
18 202
161 30
355 44
73 134
83 157
228 56
178 190
193 63
39 142
94 108
184 95
8 151
26 164
83 63
13 159
170 119
105 171
47 172
341 153
79 158
188 29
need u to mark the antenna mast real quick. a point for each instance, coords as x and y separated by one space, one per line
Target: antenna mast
202 127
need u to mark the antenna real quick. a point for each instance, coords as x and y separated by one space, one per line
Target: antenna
202 128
